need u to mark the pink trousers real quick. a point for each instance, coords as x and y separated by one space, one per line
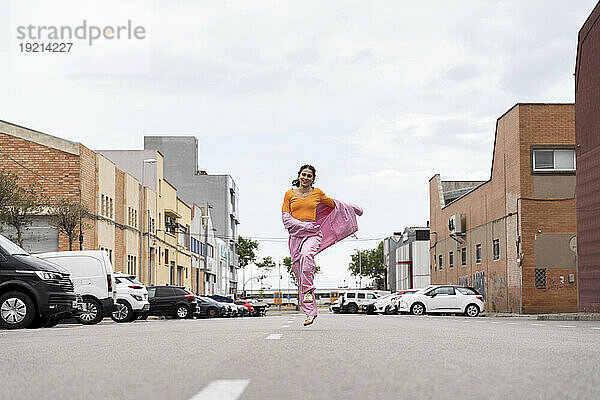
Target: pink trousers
304 269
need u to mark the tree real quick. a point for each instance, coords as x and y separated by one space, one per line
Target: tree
8 185
266 265
20 208
68 214
287 261
370 263
246 251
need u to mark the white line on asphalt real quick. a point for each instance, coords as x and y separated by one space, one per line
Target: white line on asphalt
595 328
495 322
513 323
285 326
273 336
224 389
567 326
536 324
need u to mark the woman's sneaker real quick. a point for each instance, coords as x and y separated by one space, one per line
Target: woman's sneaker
309 320
308 297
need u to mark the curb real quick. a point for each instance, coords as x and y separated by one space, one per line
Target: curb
569 317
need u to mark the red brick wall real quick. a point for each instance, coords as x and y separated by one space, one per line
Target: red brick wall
587 127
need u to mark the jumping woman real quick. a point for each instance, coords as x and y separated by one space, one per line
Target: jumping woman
311 219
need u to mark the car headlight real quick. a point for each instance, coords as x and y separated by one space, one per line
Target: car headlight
48 276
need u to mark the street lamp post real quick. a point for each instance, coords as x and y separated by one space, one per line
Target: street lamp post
359 268
207 217
144 162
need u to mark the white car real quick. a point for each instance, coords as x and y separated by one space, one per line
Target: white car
444 299
383 304
132 298
395 304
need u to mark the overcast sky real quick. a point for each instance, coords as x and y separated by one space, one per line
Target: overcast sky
378 96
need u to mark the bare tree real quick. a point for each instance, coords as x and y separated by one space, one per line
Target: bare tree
67 217
20 208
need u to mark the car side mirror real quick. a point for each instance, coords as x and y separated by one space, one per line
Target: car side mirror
432 295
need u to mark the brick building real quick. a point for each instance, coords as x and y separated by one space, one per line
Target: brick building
511 237
61 169
587 129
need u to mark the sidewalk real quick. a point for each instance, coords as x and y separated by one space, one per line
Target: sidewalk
549 317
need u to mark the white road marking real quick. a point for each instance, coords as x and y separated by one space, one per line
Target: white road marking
536 324
567 326
224 389
285 326
595 328
513 323
274 336
495 322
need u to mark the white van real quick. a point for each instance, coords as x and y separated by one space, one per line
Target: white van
92 276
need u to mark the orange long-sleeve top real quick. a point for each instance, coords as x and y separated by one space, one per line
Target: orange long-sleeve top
305 208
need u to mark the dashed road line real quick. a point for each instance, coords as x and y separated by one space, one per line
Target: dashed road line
567 326
274 336
285 326
536 324
224 389
595 328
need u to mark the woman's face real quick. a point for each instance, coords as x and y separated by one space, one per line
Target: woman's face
306 178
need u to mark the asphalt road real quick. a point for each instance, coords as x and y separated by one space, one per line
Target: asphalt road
339 357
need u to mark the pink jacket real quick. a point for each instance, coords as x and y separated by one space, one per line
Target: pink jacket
334 224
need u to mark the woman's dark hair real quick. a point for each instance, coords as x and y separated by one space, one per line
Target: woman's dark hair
296 182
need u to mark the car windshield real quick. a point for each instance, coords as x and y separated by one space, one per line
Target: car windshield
11 248
386 296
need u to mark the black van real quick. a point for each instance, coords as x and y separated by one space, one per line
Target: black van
33 292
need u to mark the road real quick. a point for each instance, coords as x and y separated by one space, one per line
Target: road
274 357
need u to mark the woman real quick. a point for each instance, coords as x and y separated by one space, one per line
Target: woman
311 220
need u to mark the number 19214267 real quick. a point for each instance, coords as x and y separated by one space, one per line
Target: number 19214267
45 47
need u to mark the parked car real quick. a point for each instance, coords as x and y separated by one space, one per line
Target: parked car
33 292
241 309
92 276
260 307
132 298
210 308
169 300
395 304
444 299
352 299
381 305
248 306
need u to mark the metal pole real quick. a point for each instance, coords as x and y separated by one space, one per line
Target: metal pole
80 230
149 254
142 227
280 294
359 269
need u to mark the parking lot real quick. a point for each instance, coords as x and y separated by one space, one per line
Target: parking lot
340 356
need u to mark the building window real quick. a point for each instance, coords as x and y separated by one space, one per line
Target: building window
463 256
540 278
110 215
166 256
496 249
441 262
553 160
478 253
451 260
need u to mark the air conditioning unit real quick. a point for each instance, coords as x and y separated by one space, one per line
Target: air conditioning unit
456 224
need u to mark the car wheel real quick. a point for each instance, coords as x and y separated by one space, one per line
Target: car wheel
417 309
472 310
182 312
352 308
388 310
16 310
123 312
92 314
211 312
